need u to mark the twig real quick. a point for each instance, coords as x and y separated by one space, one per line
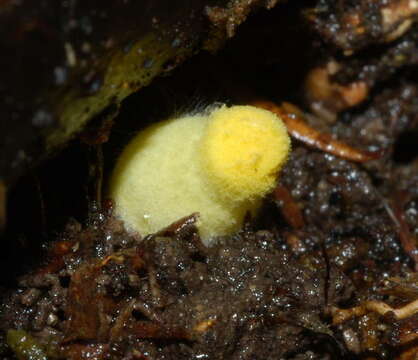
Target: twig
300 130
342 315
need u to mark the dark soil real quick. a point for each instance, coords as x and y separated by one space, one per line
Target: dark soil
328 270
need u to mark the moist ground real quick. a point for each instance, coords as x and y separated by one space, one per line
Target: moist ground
312 277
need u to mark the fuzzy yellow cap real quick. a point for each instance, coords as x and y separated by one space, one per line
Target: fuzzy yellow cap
219 163
243 149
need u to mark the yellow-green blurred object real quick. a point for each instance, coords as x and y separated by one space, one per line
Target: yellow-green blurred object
25 346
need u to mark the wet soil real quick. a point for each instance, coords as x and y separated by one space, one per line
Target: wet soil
328 270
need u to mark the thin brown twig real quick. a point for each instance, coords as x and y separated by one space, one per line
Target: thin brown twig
300 130
342 315
290 208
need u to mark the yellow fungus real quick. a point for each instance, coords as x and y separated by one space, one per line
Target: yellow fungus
219 163
243 149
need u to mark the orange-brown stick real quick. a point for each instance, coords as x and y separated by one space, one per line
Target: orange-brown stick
342 315
151 330
300 130
290 209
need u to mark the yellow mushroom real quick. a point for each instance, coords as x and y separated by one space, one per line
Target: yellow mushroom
219 163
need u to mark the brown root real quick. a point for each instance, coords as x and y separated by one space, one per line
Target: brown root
342 315
290 209
300 130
